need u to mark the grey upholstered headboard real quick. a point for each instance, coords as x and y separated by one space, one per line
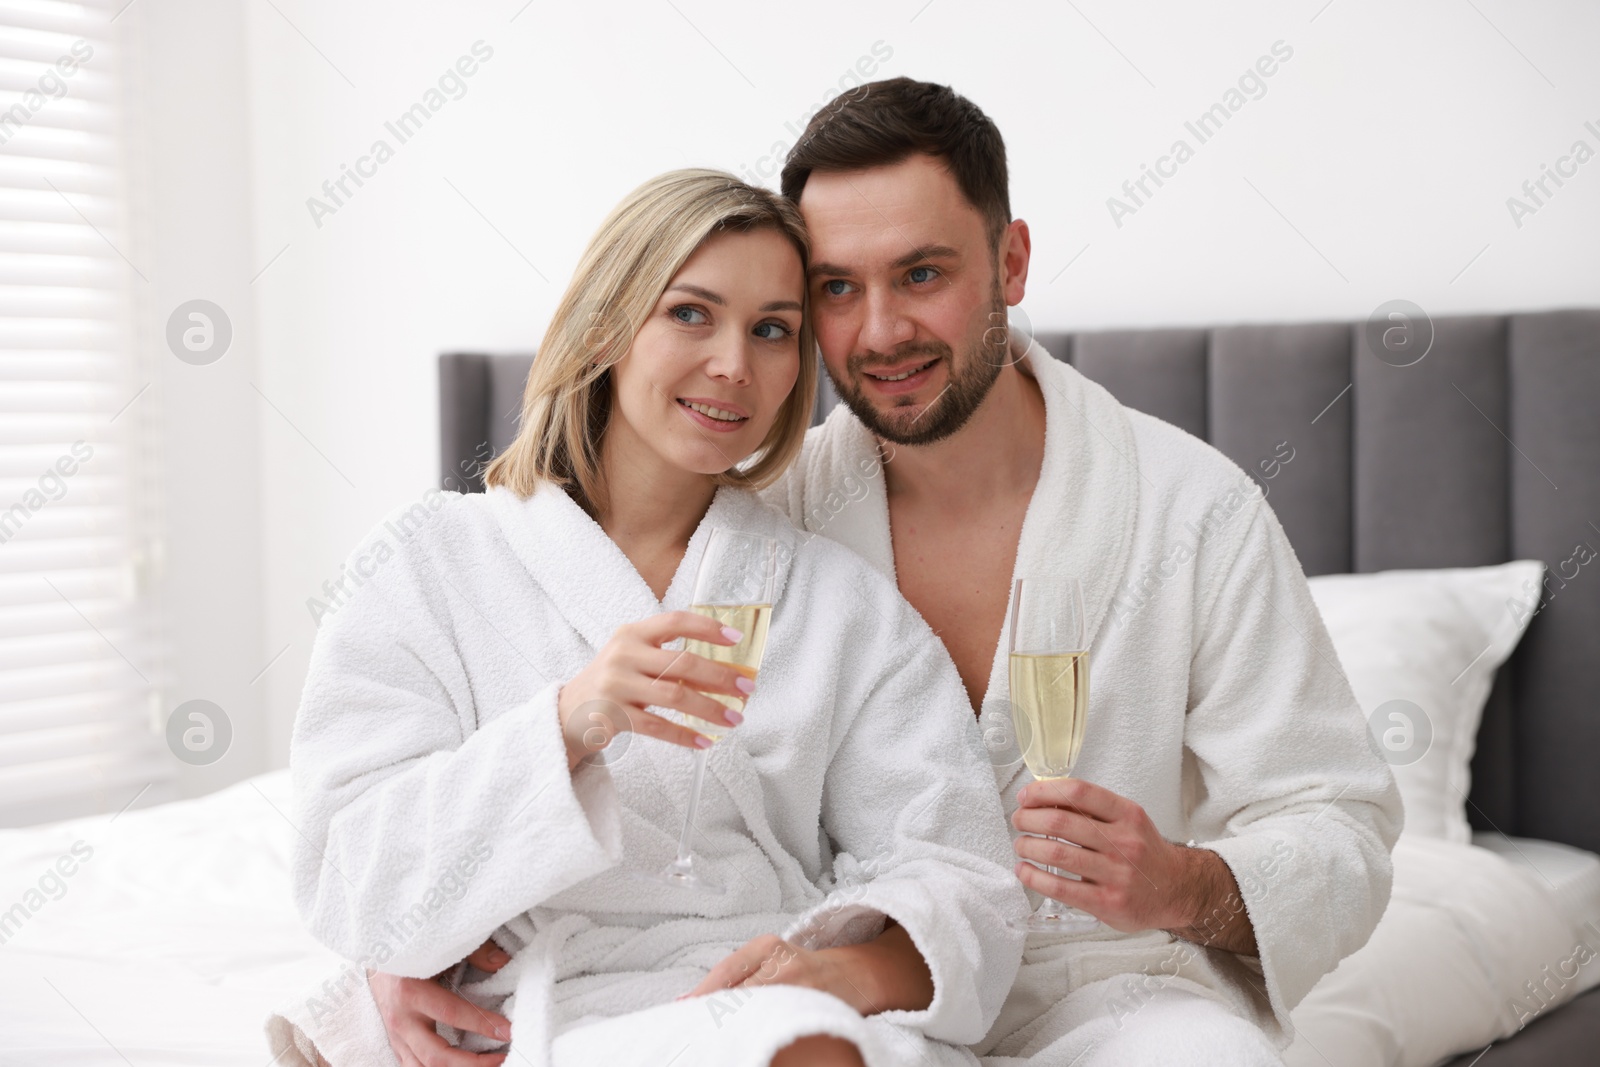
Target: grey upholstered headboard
1486 450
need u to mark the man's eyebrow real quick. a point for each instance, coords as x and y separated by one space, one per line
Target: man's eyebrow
695 290
916 255
829 270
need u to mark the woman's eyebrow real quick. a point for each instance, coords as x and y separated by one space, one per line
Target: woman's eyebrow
695 290
716 298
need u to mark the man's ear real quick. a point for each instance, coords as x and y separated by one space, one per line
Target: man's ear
1013 254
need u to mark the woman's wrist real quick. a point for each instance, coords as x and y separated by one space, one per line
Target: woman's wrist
586 744
887 973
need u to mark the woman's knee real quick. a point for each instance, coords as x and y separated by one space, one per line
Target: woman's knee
819 1050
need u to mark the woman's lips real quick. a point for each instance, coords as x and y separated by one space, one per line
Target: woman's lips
710 422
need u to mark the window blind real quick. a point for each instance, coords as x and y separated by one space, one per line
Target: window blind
78 684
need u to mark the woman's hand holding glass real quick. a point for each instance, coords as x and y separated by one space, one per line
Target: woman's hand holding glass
632 672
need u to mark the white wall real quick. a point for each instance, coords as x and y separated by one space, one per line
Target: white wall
1377 165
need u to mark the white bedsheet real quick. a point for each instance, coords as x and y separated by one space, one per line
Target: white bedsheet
174 940
171 942
1446 971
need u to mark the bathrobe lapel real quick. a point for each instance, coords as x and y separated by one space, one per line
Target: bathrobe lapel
593 584
1079 523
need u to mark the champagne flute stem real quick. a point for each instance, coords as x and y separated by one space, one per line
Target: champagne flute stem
1050 906
684 851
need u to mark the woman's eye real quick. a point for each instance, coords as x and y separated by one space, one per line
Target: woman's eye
776 331
920 275
835 287
689 316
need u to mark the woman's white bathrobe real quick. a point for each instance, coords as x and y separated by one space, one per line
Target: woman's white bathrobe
1216 701
435 805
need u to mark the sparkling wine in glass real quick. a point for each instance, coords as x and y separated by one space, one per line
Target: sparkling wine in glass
734 585
1050 701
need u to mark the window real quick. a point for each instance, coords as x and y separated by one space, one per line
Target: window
78 662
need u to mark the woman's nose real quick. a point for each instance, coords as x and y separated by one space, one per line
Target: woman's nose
730 359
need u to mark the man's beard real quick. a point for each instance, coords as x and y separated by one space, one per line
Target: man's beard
969 383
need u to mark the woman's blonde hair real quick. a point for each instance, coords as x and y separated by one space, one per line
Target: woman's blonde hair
629 263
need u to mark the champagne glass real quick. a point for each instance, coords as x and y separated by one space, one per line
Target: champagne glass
1049 701
734 585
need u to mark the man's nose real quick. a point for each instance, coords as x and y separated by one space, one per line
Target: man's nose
884 326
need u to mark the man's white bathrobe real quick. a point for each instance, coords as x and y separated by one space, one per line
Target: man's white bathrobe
1216 702
436 807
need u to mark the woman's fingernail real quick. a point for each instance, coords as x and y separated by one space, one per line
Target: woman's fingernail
732 635
702 741
733 717
745 685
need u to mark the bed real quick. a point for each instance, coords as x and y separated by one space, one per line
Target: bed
163 936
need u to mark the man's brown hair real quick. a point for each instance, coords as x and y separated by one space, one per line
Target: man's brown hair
885 122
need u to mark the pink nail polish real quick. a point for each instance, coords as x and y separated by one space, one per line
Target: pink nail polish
745 685
732 635
703 742
733 717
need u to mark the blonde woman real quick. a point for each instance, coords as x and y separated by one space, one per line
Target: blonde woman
454 781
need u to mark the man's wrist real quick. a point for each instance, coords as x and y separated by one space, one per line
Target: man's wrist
1197 887
1211 910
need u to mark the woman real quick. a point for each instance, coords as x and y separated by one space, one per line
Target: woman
445 755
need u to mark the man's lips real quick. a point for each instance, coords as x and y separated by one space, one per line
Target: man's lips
903 377
900 370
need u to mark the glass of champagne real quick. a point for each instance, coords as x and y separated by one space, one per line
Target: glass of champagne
1049 701
734 585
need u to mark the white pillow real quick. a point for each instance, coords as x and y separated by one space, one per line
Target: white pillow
1420 649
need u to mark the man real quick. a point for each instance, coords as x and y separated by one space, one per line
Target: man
962 459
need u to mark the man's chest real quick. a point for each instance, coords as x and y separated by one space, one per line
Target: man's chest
957 574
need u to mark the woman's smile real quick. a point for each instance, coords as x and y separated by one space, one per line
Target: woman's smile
718 416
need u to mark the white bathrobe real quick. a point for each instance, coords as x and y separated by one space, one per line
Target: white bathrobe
436 807
1216 700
